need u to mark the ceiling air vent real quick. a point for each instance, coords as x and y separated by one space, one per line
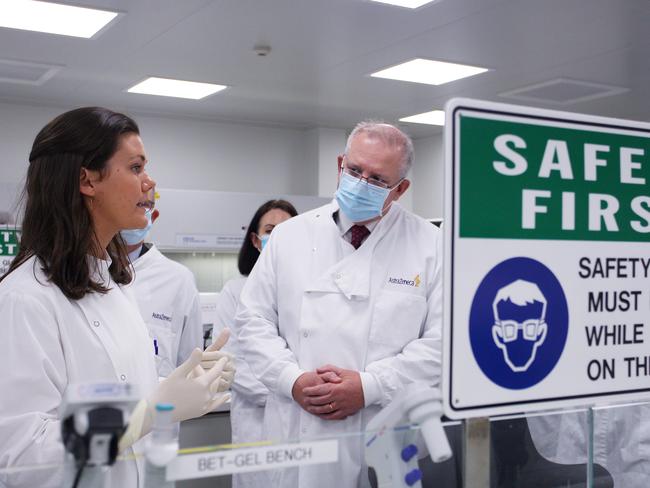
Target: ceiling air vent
562 91
25 72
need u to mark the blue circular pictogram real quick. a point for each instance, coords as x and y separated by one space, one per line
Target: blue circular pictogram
518 323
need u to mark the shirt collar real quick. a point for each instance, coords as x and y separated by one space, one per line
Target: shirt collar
135 254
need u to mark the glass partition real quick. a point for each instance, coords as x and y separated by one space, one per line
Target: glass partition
386 463
548 450
605 447
398 457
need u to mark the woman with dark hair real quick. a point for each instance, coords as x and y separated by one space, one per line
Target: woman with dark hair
67 317
269 215
248 393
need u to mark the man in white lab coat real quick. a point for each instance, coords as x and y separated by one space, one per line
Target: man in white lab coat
344 308
167 298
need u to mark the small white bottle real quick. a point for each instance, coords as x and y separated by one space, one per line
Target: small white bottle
161 446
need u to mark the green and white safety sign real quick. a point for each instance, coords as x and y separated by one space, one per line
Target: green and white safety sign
547 259
9 240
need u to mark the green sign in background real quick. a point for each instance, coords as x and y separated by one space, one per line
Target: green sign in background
9 239
491 203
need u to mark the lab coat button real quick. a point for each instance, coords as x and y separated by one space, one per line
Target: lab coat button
96 323
123 377
338 276
305 334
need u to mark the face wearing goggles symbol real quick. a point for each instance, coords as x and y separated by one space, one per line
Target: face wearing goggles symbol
510 328
519 326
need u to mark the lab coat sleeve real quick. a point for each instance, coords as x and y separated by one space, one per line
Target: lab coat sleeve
31 389
192 333
226 308
259 336
245 383
419 360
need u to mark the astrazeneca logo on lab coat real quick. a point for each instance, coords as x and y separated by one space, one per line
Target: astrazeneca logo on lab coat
161 316
518 323
401 281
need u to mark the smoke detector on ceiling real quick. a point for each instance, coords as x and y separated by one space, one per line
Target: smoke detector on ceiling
262 50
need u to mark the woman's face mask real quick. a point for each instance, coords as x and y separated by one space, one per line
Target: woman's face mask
264 238
136 236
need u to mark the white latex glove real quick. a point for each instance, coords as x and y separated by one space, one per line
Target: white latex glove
191 395
212 355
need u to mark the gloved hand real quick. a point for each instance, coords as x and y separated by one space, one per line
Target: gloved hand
212 355
192 396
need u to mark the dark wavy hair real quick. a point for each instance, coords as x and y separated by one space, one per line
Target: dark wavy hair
248 254
57 227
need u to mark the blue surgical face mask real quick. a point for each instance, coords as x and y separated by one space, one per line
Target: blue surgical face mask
360 201
264 239
136 236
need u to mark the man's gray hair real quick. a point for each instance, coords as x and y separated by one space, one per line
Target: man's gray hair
389 135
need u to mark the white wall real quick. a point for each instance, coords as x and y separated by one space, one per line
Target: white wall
19 125
428 177
195 154
326 144
186 153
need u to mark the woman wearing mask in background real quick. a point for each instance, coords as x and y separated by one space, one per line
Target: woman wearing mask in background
248 394
66 316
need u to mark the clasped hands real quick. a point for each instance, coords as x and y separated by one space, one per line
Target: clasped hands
330 392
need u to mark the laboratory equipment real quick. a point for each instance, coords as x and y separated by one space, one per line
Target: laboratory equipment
392 443
94 417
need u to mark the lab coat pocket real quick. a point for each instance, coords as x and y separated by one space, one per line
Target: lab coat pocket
163 335
397 319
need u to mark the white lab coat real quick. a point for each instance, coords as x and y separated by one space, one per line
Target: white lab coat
621 441
169 303
312 299
48 342
248 393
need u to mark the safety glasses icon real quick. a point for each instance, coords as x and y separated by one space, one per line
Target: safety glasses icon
528 328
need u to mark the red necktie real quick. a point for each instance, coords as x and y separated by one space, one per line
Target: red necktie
357 234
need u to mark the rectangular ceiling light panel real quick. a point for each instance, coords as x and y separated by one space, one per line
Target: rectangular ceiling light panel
53 18
429 72
166 87
435 117
405 3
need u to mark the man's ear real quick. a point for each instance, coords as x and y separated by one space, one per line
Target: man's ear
340 161
86 186
403 186
154 215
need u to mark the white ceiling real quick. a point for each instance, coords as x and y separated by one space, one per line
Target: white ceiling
323 51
